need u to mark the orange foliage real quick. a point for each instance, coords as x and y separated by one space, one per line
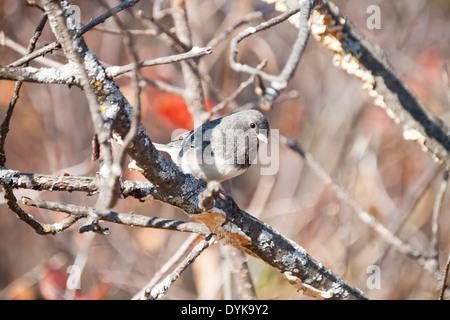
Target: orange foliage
172 111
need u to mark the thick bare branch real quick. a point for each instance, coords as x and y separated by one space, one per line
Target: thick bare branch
67 74
359 57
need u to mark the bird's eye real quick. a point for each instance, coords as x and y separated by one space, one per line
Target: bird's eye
252 125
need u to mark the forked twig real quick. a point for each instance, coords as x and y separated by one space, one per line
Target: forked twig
162 287
368 219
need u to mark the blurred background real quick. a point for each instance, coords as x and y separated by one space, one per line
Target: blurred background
324 109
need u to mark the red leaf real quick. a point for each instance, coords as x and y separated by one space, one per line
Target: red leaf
172 111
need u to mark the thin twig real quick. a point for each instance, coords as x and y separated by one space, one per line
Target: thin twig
34 55
80 262
129 219
444 279
4 129
245 20
446 79
193 94
164 86
277 83
234 51
177 43
103 17
55 45
134 32
40 228
33 4
218 107
174 259
368 219
435 219
161 288
417 194
242 280
193 53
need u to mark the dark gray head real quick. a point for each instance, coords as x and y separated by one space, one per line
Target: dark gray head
241 134
251 122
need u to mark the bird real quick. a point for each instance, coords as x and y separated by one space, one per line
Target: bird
220 149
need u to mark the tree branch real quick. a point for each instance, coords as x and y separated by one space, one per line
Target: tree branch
161 288
129 219
165 268
280 82
360 58
193 93
64 75
195 52
428 263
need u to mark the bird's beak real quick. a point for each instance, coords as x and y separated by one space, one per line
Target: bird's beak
262 137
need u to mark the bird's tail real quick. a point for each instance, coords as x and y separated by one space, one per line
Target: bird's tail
161 147
172 151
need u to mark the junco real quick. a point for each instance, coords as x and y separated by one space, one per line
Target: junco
220 149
